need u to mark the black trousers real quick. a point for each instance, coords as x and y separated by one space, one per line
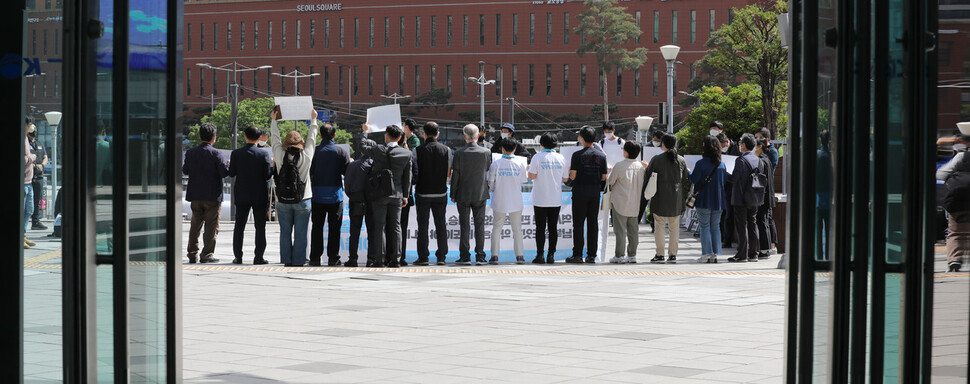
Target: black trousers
359 215
763 218
333 214
727 220
239 229
39 195
386 239
427 207
477 210
405 218
746 223
585 210
547 218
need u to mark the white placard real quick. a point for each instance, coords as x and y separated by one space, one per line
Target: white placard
614 154
378 118
295 107
650 152
567 156
728 161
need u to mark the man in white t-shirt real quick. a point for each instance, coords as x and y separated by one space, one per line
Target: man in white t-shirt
546 171
505 179
611 145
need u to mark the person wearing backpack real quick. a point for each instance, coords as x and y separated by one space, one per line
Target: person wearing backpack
392 176
748 194
956 177
326 180
293 156
356 182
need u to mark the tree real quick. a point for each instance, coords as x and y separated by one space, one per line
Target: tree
750 47
605 29
250 112
434 99
738 108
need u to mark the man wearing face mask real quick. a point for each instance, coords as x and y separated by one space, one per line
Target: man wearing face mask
611 144
956 177
728 146
508 131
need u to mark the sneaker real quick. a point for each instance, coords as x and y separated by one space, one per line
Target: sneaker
421 261
493 260
29 243
753 259
712 260
480 261
672 259
38 226
333 261
441 261
954 266
631 260
590 260
208 259
520 259
703 259
464 260
657 259
618 260
737 259
764 255
574 260
539 260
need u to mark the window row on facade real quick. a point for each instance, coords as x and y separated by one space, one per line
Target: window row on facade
411 32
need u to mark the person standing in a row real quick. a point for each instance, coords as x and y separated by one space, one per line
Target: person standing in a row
708 179
626 182
955 175
206 168
547 172
469 191
433 162
250 166
747 182
505 178
667 205
587 172
763 216
357 183
327 185
386 204
293 156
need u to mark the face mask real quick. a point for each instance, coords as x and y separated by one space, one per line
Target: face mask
724 149
608 136
959 147
261 143
713 132
504 135
656 144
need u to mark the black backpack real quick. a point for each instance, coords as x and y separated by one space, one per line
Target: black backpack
290 187
958 187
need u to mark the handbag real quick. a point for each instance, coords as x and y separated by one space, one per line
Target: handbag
692 199
605 204
651 189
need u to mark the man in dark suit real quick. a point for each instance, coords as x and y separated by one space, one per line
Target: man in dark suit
469 191
250 166
746 200
386 238
434 165
206 168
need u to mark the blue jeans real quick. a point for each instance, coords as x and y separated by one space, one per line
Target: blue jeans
28 205
710 230
294 220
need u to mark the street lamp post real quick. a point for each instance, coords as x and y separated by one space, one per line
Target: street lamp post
350 91
296 75
395 96
480 80
670 55
54 119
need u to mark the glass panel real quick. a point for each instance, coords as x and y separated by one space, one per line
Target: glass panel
42 289
103 132
148 96
895 181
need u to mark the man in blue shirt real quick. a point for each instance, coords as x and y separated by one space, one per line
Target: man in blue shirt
206 167
587 171
250 166
326 180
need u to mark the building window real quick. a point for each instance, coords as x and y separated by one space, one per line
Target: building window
355 75
400 40
693 71
255 37
202 81
417 31
326 80
340 34
582 80
636 18
710 24
242 85
464 75
370 80
312 79
400 79
619 82
498 29
448 32
188 37
433 75
188 82
215 36
283 36
549 28
656 80
565 28
498 81
448 78
283 79
656 27
387 75
228 36
387 31
340 80
481 30
356 32
201 38
515 79
548 79
636 82
464 31
565 79
269 80
532 79
515 29
532 29
673 27
313 33
693 26
269 35
417 80
326 34
370 33
434 30
242 35
215 82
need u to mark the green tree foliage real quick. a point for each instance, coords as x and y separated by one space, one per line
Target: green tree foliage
750 47
606 28
434 99
251 112
738 108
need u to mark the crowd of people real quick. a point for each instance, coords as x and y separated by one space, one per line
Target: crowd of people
383 181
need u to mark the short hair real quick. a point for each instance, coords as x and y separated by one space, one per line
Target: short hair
748 141
587 133
28 121
658 134
207 131
632 148
470 132
764 133
609 125
763 142
669 141
722 138
263 132
394 132
507 143
431 129
717 124
328 131
411 124
549 140
252 132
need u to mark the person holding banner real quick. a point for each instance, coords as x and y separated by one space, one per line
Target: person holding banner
587 172
388 196
547 171
505 179
433 161
667 205
625 182
293 156
469 191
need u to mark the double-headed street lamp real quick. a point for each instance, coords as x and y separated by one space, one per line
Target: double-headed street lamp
296 75
395 96
480 80
670 55
234 68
